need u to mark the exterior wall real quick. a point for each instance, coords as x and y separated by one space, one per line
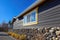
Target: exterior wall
18 24
48 15
51 16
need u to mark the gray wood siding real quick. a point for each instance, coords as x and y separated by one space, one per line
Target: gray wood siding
50 17
18 24
48 4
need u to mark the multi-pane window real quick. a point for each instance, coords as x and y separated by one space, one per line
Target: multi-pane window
30 17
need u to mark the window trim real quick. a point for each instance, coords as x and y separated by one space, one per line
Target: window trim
34 22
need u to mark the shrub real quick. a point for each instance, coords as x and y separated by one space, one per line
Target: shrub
22 37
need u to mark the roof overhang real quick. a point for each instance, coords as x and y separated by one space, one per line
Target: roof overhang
30 8
33 6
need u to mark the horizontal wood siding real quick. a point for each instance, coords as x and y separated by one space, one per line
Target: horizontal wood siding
48 4
18 24
50 17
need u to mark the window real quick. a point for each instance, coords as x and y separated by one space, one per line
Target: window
25 19
30 17
33 17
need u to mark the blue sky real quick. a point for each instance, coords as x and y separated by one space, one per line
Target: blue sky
11 8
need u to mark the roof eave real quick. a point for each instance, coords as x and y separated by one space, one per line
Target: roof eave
35 4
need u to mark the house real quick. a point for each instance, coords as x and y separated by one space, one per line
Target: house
42 13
